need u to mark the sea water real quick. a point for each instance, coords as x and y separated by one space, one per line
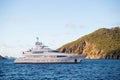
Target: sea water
86 70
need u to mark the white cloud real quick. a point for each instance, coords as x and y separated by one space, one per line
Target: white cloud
17 20
71 25
12 50
2 49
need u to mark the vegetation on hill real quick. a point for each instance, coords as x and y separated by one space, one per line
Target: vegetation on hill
103 43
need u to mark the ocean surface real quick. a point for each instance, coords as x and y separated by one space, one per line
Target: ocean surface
86 70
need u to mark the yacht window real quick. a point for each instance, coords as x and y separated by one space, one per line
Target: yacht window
38 52
61 56
53 51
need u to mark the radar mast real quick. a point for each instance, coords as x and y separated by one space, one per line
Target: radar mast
38 44
37 39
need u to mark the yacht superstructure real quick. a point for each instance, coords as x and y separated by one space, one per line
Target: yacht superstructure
43 54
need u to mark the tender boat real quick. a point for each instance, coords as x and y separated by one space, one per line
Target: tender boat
43 54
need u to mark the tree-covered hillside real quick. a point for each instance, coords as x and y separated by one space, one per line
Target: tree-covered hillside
103 43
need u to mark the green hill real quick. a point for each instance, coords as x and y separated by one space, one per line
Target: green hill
101 44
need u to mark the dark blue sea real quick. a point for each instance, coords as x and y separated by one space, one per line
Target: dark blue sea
86 70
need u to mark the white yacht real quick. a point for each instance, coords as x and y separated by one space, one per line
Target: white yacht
43 54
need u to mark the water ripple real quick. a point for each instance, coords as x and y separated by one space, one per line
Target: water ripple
86 70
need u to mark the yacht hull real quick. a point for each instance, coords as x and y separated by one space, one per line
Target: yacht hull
47 61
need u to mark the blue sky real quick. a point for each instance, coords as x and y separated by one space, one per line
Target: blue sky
55 22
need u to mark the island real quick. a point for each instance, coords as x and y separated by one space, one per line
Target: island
1 57
101 44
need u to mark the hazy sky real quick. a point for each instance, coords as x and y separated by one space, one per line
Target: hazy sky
55 22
